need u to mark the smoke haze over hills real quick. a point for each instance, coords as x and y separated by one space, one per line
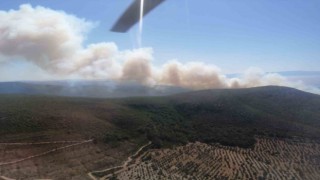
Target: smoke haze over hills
54 41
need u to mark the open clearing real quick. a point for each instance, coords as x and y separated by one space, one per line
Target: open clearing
56 159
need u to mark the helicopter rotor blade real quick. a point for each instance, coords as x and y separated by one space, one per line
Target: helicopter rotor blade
131 16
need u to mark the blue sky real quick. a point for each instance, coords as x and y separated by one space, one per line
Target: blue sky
275 35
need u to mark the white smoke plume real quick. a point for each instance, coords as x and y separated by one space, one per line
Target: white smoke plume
53 40
192 75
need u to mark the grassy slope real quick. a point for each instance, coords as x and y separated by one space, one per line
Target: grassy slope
231 117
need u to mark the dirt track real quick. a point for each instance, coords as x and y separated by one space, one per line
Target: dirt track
40 143
44 153
124 165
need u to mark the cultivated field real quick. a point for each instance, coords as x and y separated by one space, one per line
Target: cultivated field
269 159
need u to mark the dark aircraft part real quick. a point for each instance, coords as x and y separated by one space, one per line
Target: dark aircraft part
132 15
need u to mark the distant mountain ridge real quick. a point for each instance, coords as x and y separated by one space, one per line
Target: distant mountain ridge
82 88
286 73
309 78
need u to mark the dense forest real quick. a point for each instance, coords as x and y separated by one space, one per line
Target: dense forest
227 116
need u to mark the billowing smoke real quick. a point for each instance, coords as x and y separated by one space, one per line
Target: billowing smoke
137 66
192 75
256 77
43 36
53 40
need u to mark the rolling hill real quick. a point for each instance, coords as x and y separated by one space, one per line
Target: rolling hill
228 116
118 126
